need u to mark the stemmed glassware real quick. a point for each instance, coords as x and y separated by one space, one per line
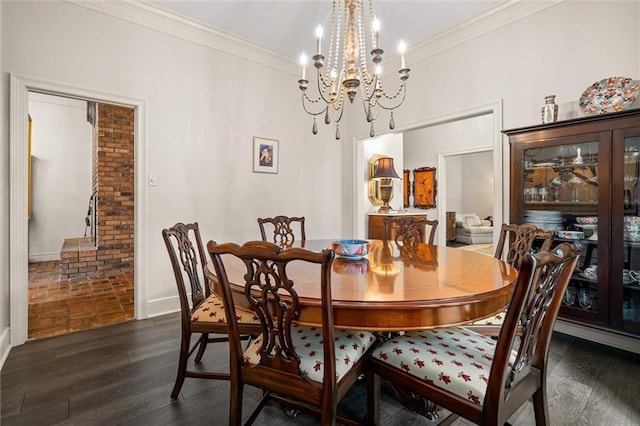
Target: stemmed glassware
575 183
555 185
585 298
569 296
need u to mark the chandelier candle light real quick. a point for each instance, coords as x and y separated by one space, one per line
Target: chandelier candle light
355 69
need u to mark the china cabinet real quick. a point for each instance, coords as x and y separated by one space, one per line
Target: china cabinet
580 178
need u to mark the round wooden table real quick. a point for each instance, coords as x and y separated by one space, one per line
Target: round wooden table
389 291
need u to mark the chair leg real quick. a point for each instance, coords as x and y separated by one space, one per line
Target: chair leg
540 406
182 365
204 339
235 404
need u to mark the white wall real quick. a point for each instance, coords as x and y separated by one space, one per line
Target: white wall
422 146
203 109
477 184
4 199
61 173
453 194
549 52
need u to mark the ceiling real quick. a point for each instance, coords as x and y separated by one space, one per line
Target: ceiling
288 26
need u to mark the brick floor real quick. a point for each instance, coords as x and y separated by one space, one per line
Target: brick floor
60 306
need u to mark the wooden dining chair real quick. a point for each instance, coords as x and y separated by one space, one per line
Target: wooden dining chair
472 375
303 367
514 243
283 231
409 230
203 312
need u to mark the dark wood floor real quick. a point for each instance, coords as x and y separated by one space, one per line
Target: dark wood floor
123 374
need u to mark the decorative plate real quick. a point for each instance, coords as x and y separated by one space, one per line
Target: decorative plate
613 94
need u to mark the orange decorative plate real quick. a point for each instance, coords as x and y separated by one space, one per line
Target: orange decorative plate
613 94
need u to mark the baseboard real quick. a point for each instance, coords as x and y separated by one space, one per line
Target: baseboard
162 306
604 337
5 345
43 257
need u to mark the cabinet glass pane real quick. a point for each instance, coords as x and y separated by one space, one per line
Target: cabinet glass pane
631 233
560 194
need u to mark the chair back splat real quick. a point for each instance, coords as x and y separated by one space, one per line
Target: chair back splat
469 373
294 364
283 229
520 240
409 230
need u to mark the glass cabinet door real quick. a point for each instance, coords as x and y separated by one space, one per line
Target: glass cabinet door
561 192
625 273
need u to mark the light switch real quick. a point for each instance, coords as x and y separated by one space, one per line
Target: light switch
153 179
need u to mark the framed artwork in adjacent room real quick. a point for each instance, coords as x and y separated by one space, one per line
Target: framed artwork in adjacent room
265 155
424 188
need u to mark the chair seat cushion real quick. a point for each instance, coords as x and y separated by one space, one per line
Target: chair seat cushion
350 346
456 359
212 310
494 320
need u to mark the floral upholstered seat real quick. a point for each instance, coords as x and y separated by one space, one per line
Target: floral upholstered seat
455 358
212 310
350 347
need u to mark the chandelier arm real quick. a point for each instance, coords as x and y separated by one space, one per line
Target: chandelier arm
341 109
391 108
304 106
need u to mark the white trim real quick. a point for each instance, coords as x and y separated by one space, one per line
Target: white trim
155 17
5 346
43 257
159 19
162 306
494 108
503 14
604 337
18 225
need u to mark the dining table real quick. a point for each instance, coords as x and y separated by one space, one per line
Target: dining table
394 289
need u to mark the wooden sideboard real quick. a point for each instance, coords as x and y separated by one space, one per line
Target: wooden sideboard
376 224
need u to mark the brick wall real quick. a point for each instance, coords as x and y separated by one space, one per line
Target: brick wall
114 187
113 179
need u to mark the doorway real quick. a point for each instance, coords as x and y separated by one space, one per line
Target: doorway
81 217
18 238
432 137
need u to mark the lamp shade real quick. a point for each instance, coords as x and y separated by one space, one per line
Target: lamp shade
385 169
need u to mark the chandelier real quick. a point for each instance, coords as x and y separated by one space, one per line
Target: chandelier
348 70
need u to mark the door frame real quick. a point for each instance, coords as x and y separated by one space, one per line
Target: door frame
501 179
442 180
20 86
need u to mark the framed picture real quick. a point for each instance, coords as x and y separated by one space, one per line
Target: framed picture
265 155
406 188
424 188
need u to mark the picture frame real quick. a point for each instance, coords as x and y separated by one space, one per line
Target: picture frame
265 155
406 188
425 188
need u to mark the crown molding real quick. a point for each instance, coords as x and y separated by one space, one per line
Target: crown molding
156 18
151 16
503 14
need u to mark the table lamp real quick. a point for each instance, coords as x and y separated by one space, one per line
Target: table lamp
385 172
